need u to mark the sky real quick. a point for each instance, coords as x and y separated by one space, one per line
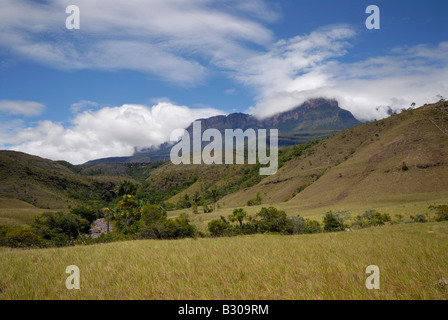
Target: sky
135 70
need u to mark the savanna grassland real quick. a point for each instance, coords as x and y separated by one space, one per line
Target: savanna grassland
413 261
394 169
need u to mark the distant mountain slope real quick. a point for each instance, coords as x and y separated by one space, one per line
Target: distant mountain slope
400 158
316 118
313 115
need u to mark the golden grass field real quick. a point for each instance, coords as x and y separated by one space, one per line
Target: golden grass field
405 205
15 212
412 258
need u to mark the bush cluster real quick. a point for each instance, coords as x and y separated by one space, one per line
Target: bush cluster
136 219
50 229
371 218
154 224
268 220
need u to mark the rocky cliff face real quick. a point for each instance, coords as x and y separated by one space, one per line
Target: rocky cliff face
316 114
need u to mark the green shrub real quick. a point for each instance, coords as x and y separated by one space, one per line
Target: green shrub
272 220
207 209
404 166
22 238
220 227
296 225
150 214
164 228
60 228
371 218
312 226
178 228
420 217
333 223
441 212
254 202
85 213
3 231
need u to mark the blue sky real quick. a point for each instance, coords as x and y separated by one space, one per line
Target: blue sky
136 70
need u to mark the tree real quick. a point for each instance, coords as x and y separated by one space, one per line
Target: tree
126 187
273 220
185 202
107 211
214 194
128 203
152 213
238 215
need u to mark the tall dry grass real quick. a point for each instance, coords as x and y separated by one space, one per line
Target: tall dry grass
412 259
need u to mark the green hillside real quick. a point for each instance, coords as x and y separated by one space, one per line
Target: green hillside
398 163
47 184
399 159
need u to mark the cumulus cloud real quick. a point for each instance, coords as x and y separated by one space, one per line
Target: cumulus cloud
107 132
23 108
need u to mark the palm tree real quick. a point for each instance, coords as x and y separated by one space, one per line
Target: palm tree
238 215
128 202
107 211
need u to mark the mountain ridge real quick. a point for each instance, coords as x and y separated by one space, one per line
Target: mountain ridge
400 160
315 118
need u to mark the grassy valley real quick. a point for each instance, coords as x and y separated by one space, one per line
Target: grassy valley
375 183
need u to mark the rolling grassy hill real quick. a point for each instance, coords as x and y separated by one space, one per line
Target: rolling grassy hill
398 164
399 159
46 184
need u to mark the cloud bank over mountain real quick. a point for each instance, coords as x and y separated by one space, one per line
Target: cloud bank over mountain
185 44
107 132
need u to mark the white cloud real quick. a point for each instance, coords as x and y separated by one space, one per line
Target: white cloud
178 41
305 67
83 104
24 108
107 132
172 39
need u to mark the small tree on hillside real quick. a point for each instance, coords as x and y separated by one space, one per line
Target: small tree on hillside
238 215
214 195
